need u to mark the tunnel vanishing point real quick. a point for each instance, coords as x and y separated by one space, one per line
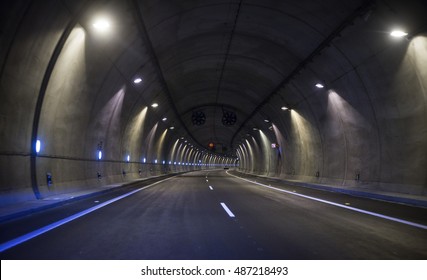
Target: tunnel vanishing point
95 93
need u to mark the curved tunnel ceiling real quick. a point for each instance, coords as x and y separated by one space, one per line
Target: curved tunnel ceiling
241 51
238 53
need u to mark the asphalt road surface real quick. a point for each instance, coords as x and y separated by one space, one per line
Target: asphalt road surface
214 215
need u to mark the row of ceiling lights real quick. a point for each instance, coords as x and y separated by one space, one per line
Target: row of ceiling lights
103 25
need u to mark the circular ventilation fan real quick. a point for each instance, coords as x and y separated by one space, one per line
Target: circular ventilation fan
198 118
229 118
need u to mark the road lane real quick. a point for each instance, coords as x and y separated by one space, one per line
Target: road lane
295 227
178 219
183 218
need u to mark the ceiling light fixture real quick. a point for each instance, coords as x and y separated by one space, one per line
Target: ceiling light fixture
137 80
398 33
154 105
164 119
284 108
319 85
101 24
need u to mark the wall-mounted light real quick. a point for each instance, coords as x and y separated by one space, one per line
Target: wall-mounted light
398 33
137 80
144 160
38 146
99 155
128 158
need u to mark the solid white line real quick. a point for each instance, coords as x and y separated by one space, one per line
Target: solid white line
211 188
339 205
21 239
227 210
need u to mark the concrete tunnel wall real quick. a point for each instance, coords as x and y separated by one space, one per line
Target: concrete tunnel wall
367 128
83 110
369 121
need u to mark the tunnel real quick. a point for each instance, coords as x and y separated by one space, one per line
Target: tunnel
301 122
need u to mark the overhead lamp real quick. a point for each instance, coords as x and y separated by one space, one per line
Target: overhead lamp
154 105
284 108
101 24
319 85
164 119
254 128
398 33
267 121
172 127
137 80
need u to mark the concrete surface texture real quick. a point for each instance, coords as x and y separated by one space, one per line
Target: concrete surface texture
231 66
